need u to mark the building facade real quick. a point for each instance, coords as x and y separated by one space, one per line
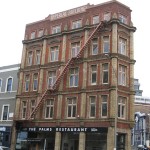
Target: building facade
76 81
8 91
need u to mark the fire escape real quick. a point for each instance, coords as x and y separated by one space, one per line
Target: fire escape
100 26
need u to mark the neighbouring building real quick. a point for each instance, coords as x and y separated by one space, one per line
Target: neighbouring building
8 91
76 81
138 92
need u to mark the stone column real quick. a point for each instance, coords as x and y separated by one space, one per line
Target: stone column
83 105
110 139
82 139
64 48
114 38
40 80
57 141
44 52
20 85
85 39
84 75
59 107
23 58
13 137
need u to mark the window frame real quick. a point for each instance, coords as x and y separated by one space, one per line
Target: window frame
7 84
107 16
95 19
74 77
93 73
56 29
122 47
30 58
122 75
106 43
38 57
27 83
92 105
105 71
75 48
76 24
24 109
3 112
40 32
54 53
51 78
95 46
49 108
32 36
35 88
72 107
122 18
122 107
103 104
1 82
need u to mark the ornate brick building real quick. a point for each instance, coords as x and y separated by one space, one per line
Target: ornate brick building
76 81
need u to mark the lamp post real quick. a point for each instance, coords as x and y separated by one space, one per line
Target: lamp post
116 105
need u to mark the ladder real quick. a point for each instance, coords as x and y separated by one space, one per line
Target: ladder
65 69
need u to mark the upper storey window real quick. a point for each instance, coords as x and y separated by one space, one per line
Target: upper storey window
9 85
107 16
95 47
30 55
123 19
76 24
32 35
41 33
56 29
106 44
54 54
122 46
96 19
74 77
75 47
38 57
27 80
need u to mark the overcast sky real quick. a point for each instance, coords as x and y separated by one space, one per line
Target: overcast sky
15 14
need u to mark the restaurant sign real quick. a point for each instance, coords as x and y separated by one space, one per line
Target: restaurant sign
67 129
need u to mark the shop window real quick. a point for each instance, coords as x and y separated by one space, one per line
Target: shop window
49 108
51 78
74 77
76 24
93 74
122 75
9 84
71 107
105 73
54 52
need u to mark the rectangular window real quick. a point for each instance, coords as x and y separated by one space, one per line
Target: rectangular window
95 19
30 55
41 33
92 106
32 105
32 35
107 16
54 54
121 107
38 57
0 85
74 77
71 109
105 73
106 44
56 29
9 85
49 108
122 75
95 47
123 19
75 47
27 80
35 82
76 24
51 78
93 74
5 113
24 109
122 46
104 106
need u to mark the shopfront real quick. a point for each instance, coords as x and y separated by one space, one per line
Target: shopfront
44 138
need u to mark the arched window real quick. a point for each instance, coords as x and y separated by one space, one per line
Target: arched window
9 85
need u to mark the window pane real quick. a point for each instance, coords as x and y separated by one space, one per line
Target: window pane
9 84
106 44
